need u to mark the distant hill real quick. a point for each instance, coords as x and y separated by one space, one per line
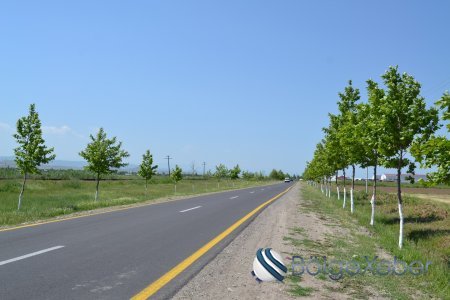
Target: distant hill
8 162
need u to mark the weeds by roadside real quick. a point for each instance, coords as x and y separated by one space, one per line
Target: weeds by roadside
426 234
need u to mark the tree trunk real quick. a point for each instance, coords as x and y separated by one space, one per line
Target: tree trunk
175 188
367 179
352 204
374 194
22 190
345 192
96 189
329 187
146 186
400 201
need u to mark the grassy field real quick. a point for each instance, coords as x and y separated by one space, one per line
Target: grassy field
427 238
45 199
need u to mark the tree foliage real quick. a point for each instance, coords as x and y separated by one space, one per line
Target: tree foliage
147 169
436 151
234 172
177 174
31 152
221 172
103 155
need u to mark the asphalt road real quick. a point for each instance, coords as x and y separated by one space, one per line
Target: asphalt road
117 254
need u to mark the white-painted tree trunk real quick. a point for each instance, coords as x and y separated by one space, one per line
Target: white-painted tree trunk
338 193
400 213
175 188
345 198
321 188
352 205
372 216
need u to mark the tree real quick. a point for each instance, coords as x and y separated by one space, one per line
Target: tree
31 152
436 151
350 142
336 160
176 175
234 173
147 169
104 156
274 175
404 119
221 172
370 129
247 175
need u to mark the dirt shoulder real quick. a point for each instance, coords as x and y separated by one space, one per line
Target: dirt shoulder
279 227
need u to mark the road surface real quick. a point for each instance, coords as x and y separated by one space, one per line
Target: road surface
116 255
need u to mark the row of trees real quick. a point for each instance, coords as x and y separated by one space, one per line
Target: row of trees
103 155
393 129
278 175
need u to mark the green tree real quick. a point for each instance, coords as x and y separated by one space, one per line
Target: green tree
147 169
370 129
336 160
234 173
104 156
31 152
274 175
405 118
247 175
221 172
176 175
436 151
350 143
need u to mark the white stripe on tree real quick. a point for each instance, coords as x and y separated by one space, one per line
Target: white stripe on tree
345 192
352 206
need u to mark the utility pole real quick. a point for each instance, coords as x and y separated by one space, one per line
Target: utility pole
204 165
168 163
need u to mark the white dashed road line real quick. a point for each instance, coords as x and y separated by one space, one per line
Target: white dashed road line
189 209
29 255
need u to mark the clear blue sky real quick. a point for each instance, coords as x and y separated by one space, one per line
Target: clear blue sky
248 82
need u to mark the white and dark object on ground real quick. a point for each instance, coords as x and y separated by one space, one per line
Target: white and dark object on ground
268 266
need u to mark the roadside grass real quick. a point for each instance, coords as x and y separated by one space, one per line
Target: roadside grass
296 289
45 199
427 238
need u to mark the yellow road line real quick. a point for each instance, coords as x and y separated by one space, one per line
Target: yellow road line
166 278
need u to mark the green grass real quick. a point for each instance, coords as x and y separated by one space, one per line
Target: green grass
296 289
45 199
426 237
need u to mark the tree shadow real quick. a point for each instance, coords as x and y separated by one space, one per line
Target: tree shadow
423 234
427 219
